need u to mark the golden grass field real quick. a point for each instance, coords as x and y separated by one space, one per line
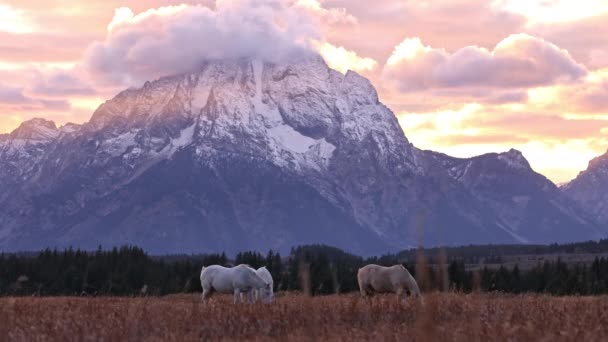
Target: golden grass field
444 317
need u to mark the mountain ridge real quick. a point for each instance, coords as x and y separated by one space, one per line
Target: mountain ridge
587 188
215 159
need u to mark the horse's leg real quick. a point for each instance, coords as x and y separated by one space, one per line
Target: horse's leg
206 294
243 296
401 294
203 295
367 292
237 295
252 296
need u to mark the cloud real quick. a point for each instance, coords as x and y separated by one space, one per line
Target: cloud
517 122
13 98
519 60
537 126
12 95
54 105
174 39
586 39
545 138
42 47
331 16
589 96
483 139
553 11
14 20
527 93
60 83
341 59
450 24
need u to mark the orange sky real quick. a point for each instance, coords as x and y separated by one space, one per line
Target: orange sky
464 77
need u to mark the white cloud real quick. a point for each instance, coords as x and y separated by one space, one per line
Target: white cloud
175 39
519 60
586 98
553 11
14 20
341 59
331 16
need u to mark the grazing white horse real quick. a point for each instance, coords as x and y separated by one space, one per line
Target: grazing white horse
395 279
235 280
268 291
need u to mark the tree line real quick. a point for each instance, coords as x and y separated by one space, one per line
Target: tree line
314 269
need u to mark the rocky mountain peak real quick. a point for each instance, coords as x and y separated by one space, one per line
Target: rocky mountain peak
514 159
297 113
69 128
36 129
588 189
294 152
598 162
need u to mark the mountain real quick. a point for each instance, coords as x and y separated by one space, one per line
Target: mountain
249 155
526 204
589 189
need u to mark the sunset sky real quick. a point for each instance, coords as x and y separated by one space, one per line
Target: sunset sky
464 77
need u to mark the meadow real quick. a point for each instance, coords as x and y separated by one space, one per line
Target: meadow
295 317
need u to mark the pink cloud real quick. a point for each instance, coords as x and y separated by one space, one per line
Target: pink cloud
450 24
590 95
536 126
505 139
586 39
171 40
13 99
60 83
463 66
42 47
517 61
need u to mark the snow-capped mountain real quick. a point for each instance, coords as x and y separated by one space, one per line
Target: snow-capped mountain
251 155
589 189
525 204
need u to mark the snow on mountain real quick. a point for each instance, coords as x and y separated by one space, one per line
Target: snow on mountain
245 154
35 130
526 204
588 189
69 128
28 138
22 150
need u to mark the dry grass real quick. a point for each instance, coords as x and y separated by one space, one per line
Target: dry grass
444 317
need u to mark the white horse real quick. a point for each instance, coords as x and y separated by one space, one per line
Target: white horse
235 280
395 279
266 292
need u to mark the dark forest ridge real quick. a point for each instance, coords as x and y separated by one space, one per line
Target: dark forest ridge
130 271
466 251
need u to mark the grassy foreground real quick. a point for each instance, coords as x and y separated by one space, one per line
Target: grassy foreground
445 317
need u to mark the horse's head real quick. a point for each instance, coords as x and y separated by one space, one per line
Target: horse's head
266 292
